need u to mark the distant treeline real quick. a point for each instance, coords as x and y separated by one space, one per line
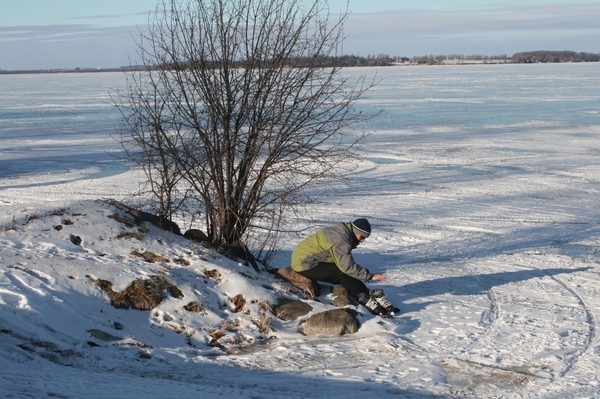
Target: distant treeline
529 57
554 56
517 58
75 70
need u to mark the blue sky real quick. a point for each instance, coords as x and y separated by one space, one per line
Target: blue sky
42 34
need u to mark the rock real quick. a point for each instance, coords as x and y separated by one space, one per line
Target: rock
174 291
341 300
194 306
160 222
239 250
332 322
339 290
305 284
76 239
341 296
291 310
196 235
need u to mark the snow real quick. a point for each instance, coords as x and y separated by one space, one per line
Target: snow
481 183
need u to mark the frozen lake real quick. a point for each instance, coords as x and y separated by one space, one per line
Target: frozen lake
56 128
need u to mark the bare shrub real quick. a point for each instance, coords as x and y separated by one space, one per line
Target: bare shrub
238 113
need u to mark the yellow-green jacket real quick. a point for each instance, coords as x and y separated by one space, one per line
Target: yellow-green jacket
332 244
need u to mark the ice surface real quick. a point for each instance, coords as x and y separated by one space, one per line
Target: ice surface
481 184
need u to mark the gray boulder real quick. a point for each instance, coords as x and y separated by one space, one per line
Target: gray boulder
332 322
160 222
196 235
291 310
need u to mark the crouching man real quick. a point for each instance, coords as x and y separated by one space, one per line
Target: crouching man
327 256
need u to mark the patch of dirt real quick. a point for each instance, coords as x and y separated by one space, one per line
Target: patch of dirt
214 274
183 261
59 212
122 220
140 294
31 218
195 307
150 257
130 235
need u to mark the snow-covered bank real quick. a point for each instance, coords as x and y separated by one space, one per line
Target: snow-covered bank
519 323
54 316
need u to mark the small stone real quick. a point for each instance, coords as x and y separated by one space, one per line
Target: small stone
76 239
341 301
193 307
338 290
196 235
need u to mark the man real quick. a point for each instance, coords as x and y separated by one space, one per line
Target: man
326 256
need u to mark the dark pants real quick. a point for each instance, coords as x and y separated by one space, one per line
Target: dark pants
329 273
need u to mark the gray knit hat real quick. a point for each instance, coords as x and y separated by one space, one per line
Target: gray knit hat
362 227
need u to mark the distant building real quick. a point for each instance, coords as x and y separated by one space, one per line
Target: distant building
401 61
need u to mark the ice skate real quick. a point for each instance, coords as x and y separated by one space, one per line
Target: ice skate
370 303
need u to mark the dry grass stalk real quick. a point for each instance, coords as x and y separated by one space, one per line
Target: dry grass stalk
264 321
239 301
